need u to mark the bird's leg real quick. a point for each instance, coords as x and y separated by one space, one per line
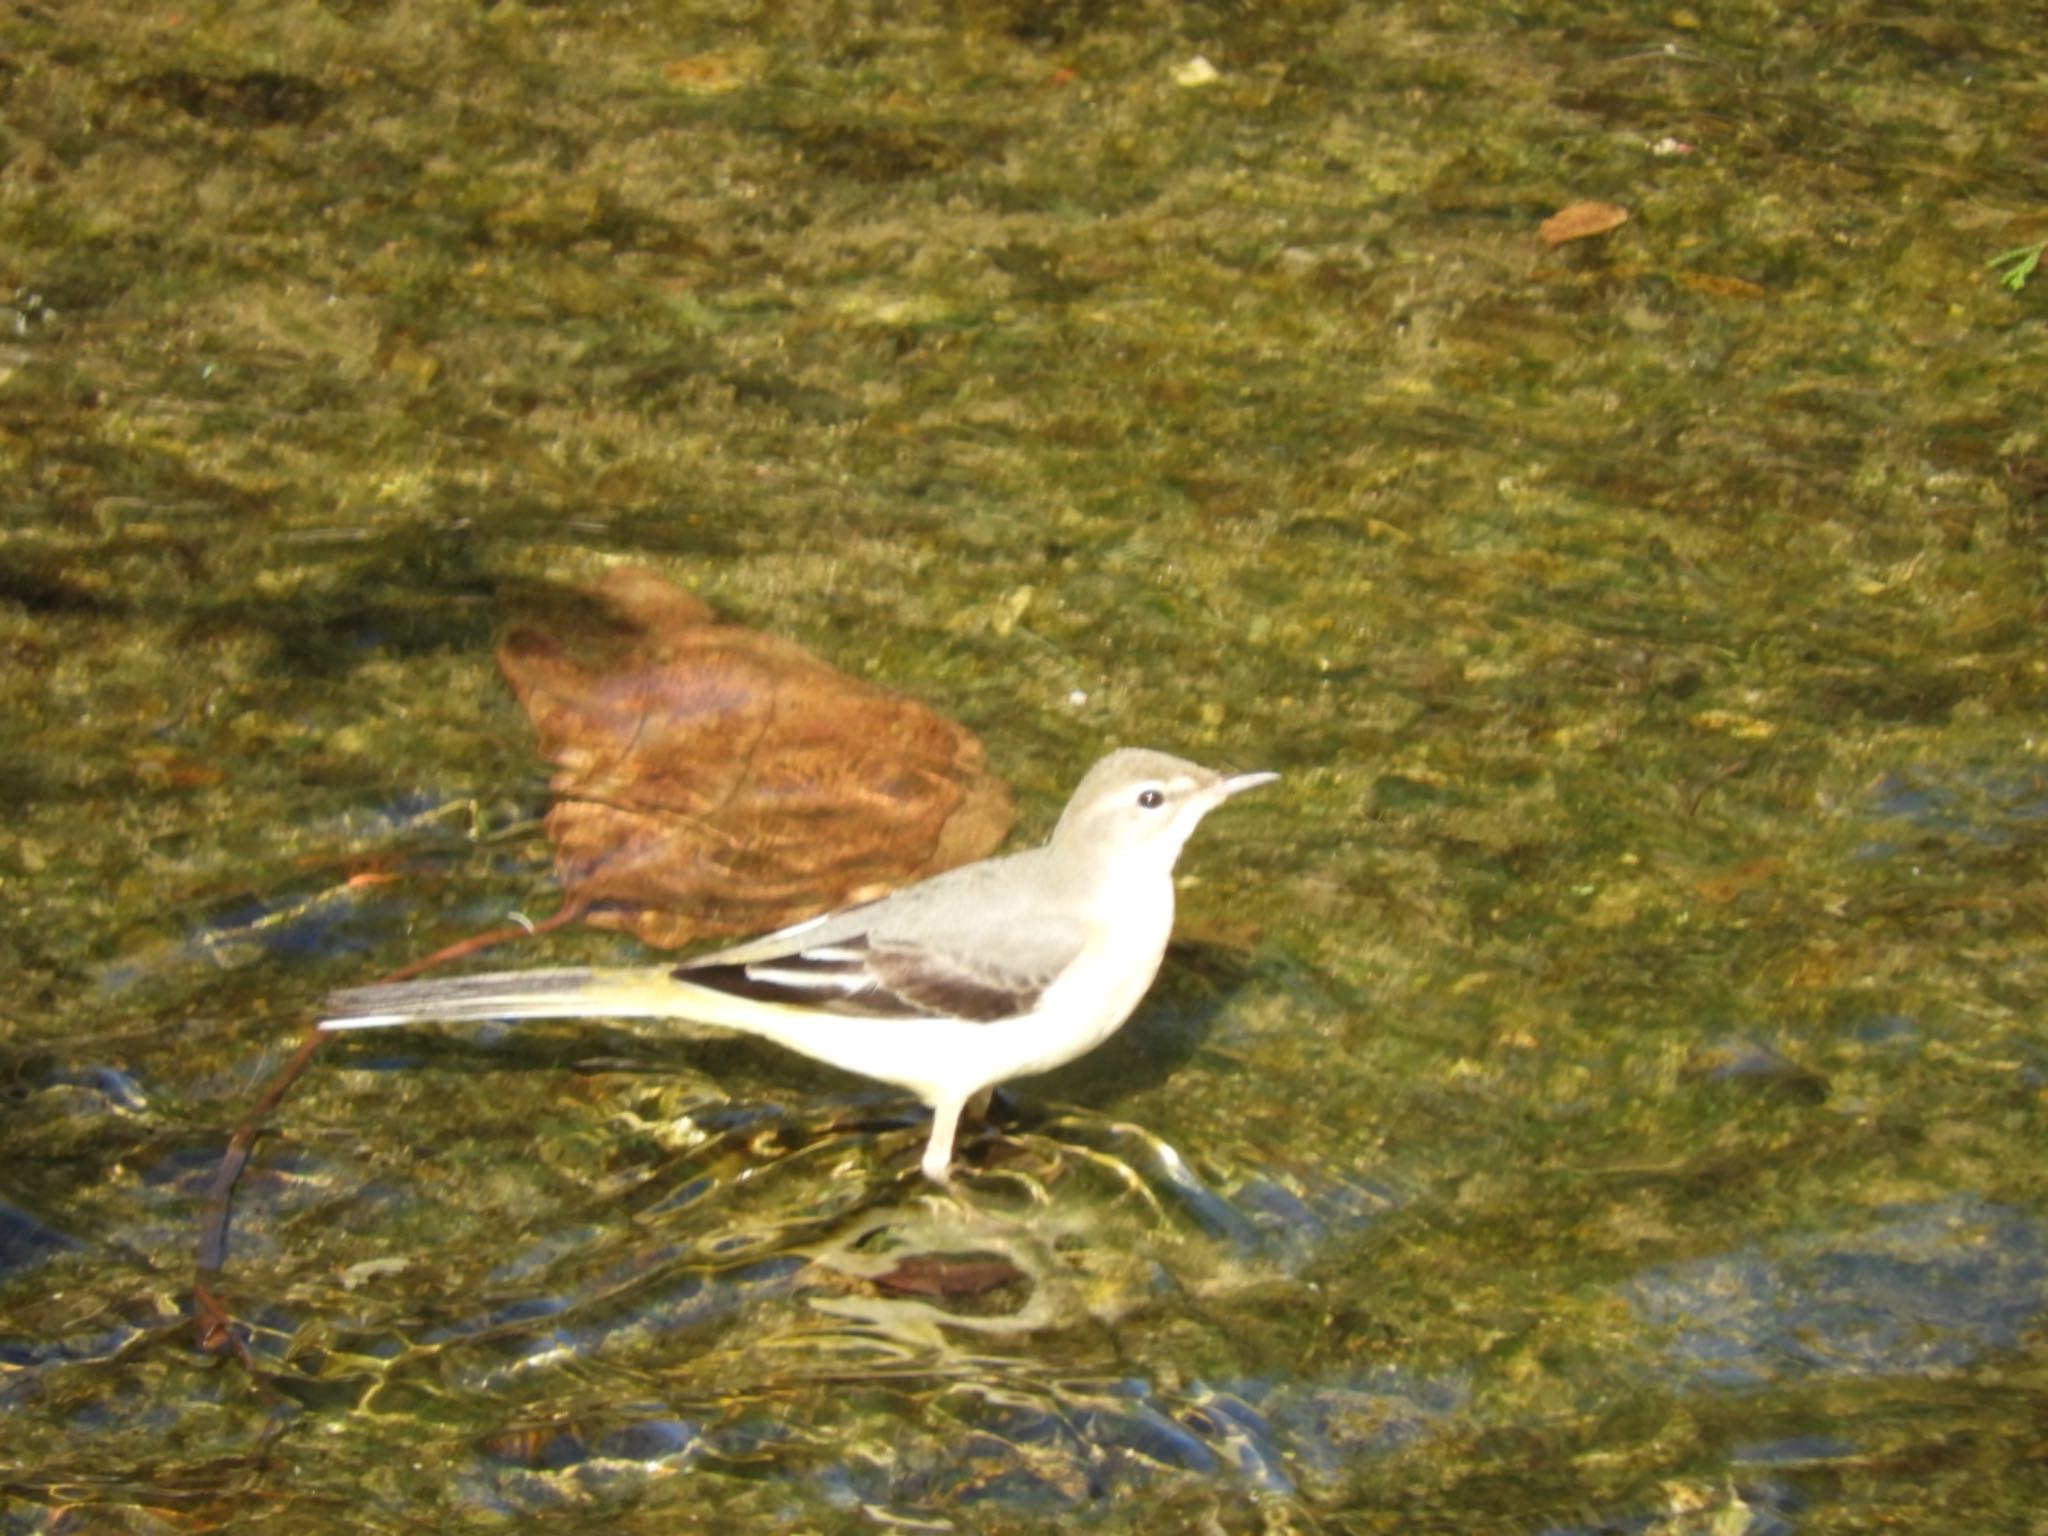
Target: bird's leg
976 1112
938 1151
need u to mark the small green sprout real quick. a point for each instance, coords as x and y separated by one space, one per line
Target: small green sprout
2019 264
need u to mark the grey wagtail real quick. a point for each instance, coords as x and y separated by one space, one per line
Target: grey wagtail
991 971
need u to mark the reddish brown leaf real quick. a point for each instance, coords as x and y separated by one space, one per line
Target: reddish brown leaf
1720 287
716 780
1579 220
167 767
937 1274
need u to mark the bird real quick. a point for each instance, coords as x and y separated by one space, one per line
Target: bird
998 969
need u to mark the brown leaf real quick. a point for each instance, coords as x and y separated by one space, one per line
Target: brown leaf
938 1274
1579 220
1719 287
170 768
1730 883
716 780
707 74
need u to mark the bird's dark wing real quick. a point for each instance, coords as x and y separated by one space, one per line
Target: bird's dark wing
867 980
979 944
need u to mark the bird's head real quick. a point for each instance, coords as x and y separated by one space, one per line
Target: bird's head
1136 808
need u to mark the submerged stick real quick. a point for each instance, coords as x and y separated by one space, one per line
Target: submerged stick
212 1322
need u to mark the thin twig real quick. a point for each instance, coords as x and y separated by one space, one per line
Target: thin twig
211 1319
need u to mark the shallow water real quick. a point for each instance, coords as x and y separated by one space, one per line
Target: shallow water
1600 1090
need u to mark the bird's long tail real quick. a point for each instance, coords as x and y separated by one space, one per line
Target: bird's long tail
638 993
917 1059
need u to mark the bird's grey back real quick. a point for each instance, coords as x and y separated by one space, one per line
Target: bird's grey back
961 905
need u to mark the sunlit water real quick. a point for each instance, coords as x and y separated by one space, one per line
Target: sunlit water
1600 1090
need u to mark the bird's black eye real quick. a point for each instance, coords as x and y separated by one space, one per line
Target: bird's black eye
1151 799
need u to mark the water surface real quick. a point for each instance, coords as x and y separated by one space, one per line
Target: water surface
1601 1090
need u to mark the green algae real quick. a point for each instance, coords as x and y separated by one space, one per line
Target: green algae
1648 629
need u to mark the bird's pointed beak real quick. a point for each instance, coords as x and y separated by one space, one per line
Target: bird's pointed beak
1237 783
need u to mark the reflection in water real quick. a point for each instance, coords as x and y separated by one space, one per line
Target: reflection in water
887 1346
968 1331
1931 1289
1625 1109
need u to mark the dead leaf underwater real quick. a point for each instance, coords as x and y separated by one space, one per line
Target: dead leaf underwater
1580 221
711 779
